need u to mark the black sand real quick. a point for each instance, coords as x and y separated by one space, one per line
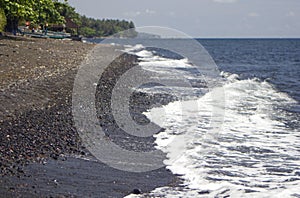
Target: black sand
39 142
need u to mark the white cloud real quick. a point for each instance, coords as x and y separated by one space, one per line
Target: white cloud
138 13
291 14
225 1
150 12
253 14
172 14
132 14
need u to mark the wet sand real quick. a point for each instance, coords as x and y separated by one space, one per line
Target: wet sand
41 151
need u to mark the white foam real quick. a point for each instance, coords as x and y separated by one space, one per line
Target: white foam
144 53
132 49
167 70
148 59
230 77
164 62
238 157
253 138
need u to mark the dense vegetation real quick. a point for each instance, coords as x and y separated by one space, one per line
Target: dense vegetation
105 27
2 20
31 10
55 12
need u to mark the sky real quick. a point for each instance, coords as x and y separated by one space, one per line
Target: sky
204 18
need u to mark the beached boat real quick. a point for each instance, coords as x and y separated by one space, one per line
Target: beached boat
58 35
43 34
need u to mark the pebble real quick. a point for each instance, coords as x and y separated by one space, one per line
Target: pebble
136 191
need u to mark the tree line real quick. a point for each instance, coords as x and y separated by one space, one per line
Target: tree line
103 28
17 12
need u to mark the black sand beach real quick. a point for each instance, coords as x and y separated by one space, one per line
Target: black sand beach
41 151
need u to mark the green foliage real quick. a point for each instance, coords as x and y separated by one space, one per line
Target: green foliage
53 11
37 11
2 20
88 32
66 11
45 11
105 27
17 9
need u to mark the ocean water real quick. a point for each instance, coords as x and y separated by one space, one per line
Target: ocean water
255 151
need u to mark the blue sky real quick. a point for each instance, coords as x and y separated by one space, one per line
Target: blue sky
204 18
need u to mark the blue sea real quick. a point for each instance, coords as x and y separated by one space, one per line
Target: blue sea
235 132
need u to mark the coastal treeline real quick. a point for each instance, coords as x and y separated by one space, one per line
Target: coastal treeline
54 12
102 28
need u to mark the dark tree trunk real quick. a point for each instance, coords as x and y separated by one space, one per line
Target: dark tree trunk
12 25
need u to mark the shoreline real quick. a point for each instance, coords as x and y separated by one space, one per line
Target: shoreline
38 134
